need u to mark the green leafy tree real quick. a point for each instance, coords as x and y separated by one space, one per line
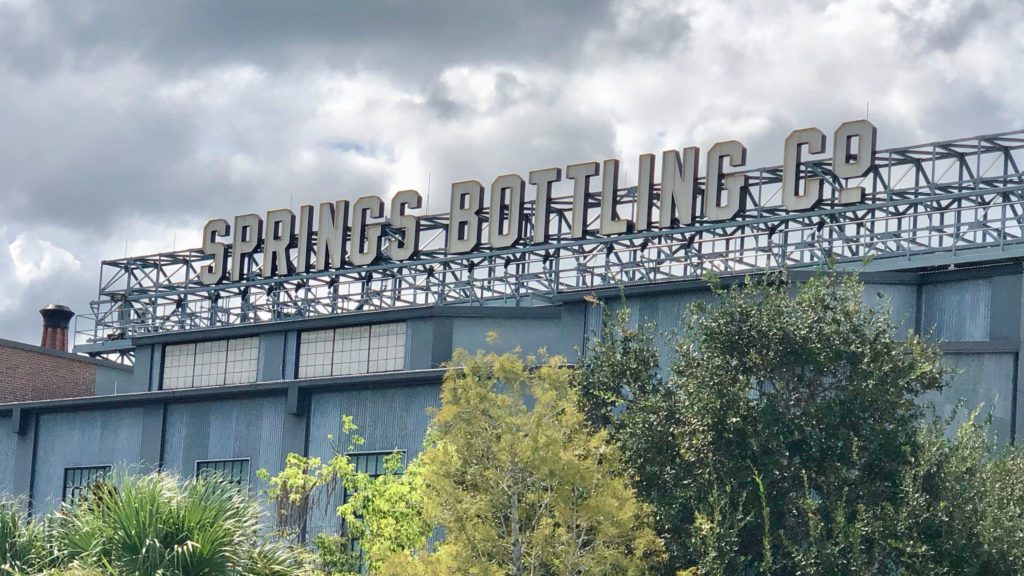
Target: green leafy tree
789 409
386 514
521 483
307 484
381 516
962 506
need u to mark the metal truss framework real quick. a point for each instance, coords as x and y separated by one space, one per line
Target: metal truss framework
945 197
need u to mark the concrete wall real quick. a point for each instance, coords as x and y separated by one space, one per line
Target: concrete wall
976 319
665 312
113 381
958 311
977 315
899 300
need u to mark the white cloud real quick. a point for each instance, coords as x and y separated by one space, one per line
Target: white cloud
35 259
110 136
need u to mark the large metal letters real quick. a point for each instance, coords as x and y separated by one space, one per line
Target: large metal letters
362 238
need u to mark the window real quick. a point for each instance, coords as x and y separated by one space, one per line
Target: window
78 481
387 348
213 363
352 350
232 471
374 463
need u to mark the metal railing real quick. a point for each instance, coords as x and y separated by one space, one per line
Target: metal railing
947 197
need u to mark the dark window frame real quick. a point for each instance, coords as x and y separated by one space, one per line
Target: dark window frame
240 481
72 491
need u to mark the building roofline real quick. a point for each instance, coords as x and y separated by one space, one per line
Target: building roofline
276 387
547 310
66 355
910 275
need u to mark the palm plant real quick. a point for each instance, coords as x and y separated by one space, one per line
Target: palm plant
154 525
23 546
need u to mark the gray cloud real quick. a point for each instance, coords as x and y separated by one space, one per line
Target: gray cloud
122 121
414 39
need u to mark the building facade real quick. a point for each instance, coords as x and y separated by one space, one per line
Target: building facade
230 377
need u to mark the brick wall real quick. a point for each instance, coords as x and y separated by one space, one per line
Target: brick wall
29 375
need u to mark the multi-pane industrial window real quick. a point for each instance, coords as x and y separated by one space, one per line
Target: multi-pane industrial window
78 481
213 363
352 350
232 471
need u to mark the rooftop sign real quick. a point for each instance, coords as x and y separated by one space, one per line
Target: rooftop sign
930 204
339 235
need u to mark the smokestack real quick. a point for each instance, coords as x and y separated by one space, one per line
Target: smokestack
56 319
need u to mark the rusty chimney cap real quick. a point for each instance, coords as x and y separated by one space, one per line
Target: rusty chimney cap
56 316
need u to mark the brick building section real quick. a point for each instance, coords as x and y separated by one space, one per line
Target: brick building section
34 373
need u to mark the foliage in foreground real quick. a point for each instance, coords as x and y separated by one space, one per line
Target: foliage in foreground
788 439
381 516
519 481
145 525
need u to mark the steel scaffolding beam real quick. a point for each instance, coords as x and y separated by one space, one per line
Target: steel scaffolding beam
950 198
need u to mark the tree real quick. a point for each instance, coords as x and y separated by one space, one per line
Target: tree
780 408
386 514
307 483
519 481
961 507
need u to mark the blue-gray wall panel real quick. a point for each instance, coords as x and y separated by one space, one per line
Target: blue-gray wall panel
143 370
530 334
593 321
83 438
8 440
271 359
388 418
900 300
114 381
224 430
957 310
984 380
667 313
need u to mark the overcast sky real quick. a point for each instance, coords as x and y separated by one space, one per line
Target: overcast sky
125 125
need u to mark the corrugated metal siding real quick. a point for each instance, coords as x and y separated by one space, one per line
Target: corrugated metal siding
984 380
667 312
593 322
530 334
957 310
82 438
900 300
388 418
223 430
8 441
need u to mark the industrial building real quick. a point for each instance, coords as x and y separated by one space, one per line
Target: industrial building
233 376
